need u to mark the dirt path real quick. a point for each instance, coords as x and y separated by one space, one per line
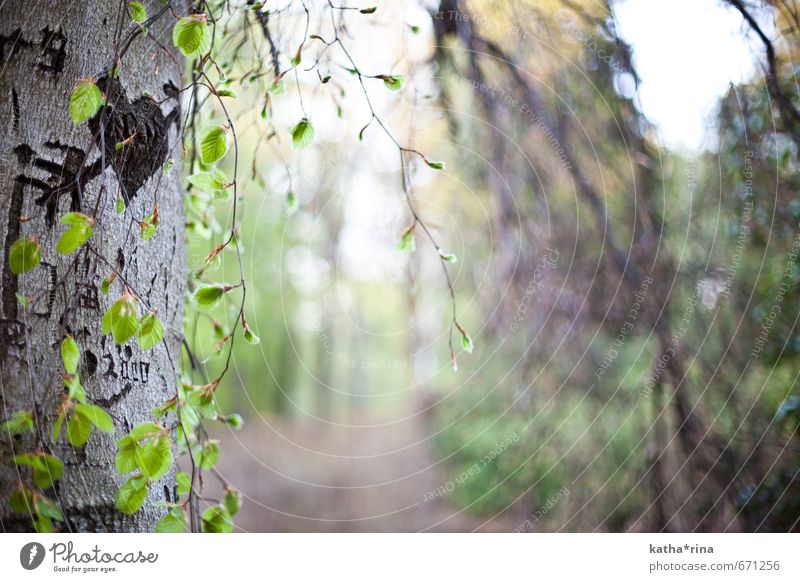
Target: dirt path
316 477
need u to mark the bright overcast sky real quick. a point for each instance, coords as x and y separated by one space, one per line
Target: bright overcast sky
686 52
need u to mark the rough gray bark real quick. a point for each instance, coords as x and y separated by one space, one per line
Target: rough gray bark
47 168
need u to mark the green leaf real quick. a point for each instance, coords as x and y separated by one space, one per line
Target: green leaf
120 205
277 87
407 242
155 458
209 454
75 236
23 301
151 331
232 501
140 432
76 219
250 337
127 458
21 500
132 494
466 341
47 469
292 204
70 354
48 508
138 12
216 519
173 522
393 82
191 35
235 421
208 296
213 144
148 227
97 416
435 165
209 181
370 10
302 134
184 483
75 388
78 429
448 257
121 320
84 102
24 255
19 422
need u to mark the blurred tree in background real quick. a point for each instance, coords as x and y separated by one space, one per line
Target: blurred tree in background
633 309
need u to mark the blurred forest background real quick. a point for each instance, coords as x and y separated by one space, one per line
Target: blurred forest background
633 307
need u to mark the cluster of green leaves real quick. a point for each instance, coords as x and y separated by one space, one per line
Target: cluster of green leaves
46 470
26 254
122 321
78 414
145 451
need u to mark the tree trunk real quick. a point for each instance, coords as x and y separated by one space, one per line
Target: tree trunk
49 167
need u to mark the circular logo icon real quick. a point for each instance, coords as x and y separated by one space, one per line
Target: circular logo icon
31 555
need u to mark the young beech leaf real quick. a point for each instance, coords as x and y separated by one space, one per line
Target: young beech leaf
208 296
74 388
191 35
151 331
24 255
84 102
21 500
184 483
302 134
70 354
235 421
132 494
466 340
370 10
97 416
20 422
46 508
78 429
127 458
138 12
172 522
292 204
79 231
47 469
213 144
232 501
155 458
121 320
393 82
209 454
407 242
447 257
216 519
148 226
209 181
435 165
249 336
